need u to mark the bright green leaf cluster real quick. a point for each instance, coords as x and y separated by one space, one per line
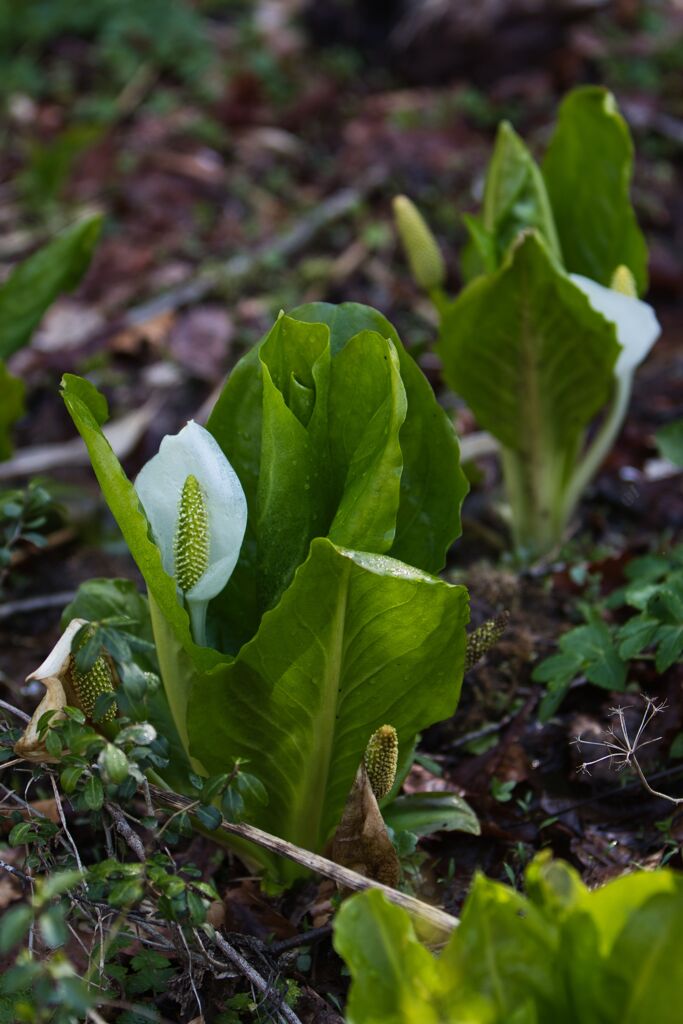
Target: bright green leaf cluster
561 953
548 330
321 635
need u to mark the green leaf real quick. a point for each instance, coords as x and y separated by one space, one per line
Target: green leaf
394 978
670 442
61 881
433 485
209 816
14 925
587 170
357 641
321 449
21 833
99 599
515 197
36 283
636 634
601 663
535 363
53 927
424 813
70 777
11 407
528 331
480 253
113 763
93 794
507 949
88 410
251 788
565 954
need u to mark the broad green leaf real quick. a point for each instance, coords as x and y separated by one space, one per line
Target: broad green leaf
394 978
515 197
564 955
433 486
36 283
358 640
507 950
670 442
11 407
88 409
587 171
528 354
424 813
333 431
480 253
630 930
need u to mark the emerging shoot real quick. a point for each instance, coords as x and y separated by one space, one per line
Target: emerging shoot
421 248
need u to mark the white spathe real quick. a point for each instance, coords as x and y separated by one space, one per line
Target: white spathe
636 323
195 452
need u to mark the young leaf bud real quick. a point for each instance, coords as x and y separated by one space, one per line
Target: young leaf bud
381 760
421 248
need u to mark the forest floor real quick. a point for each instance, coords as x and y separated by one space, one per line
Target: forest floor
187 183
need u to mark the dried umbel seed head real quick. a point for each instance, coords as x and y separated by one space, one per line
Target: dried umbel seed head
484 637
87 686
624 282
191 542
421 248
381 760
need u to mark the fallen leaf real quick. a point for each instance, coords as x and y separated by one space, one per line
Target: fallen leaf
361 841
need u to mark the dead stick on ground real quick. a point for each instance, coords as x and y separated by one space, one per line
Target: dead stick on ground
215 276
347 878
260 983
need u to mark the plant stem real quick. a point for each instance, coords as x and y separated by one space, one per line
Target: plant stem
599 447
177 672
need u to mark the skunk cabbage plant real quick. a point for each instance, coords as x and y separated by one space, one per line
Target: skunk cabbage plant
289 552
544 339
561 953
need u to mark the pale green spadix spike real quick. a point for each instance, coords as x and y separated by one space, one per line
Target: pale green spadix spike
421 248
381 760
191 542
624 282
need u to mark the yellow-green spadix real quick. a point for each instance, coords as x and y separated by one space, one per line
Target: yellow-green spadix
197 510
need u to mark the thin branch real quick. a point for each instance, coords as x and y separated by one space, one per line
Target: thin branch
130 837
62 818
15 711
345 877
260 983
36 604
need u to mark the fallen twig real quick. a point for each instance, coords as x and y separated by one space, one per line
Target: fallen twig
249 972
345 877
35 604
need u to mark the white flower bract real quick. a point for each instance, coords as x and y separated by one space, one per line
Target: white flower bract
195 452
636 323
